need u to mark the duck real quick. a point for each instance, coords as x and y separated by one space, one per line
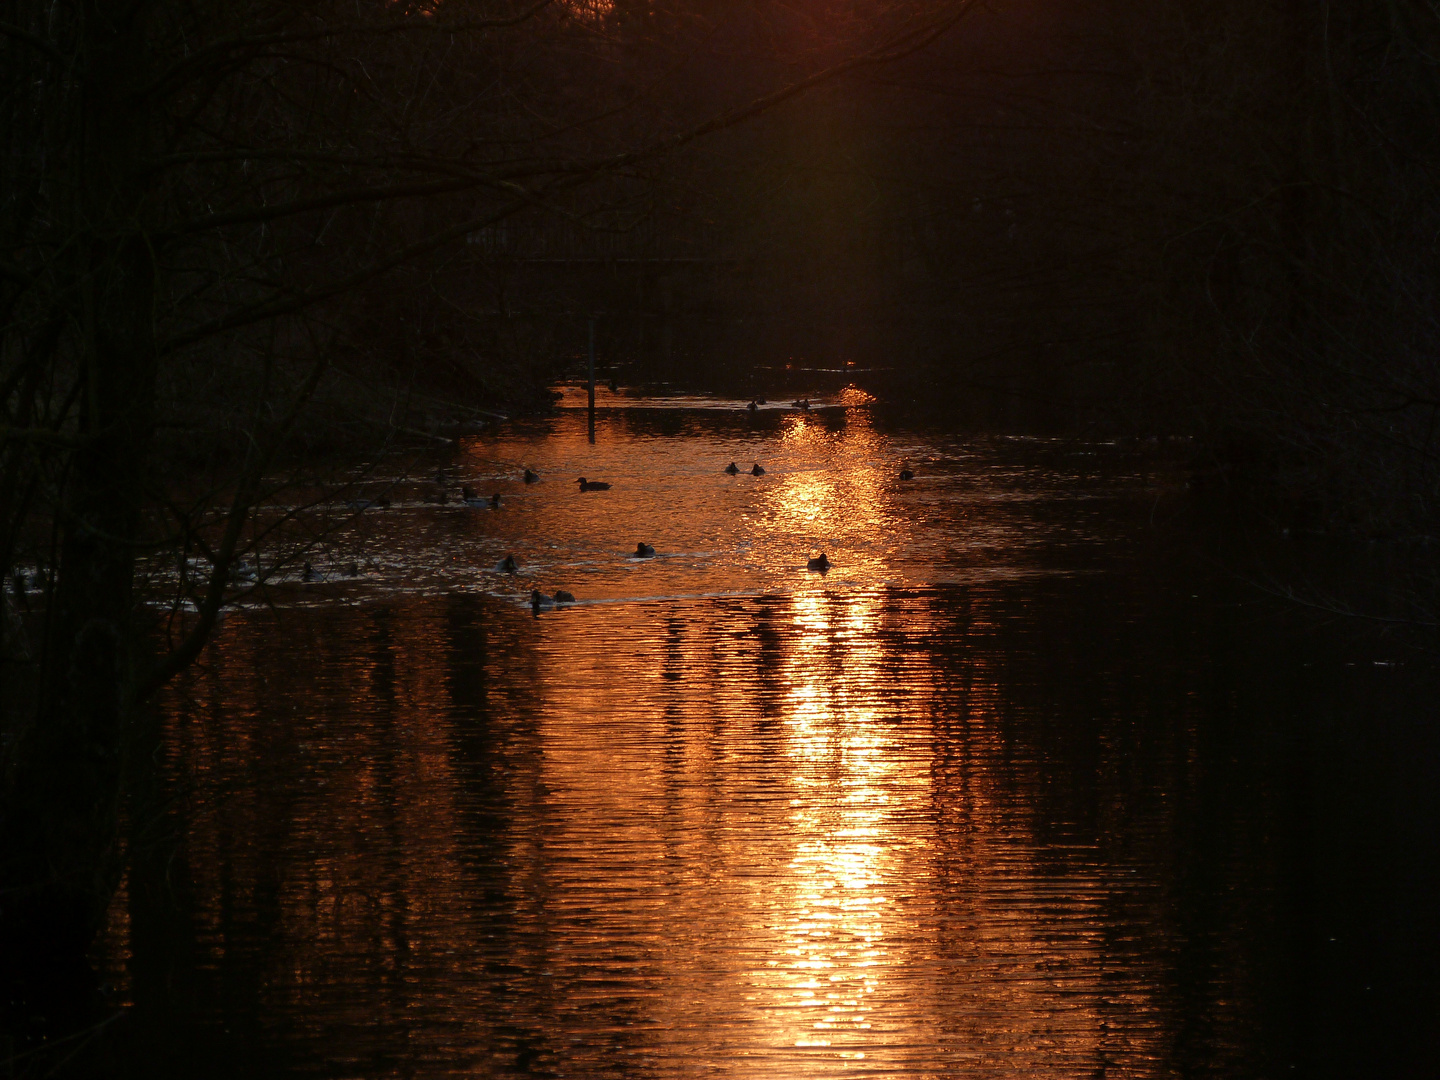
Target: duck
507 565
309 573
593 485
907 474
822 563
531 477
732 469
803 404
756 470
352 569
539 600
643 550
563 597
752 406
470 497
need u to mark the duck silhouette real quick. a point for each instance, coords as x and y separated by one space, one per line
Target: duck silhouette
822 564
469 497
906 474
752 406
309 573
530 477
593 485
756 470
539 600
643 550
732 469
507 565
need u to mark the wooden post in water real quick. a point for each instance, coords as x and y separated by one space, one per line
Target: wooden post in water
592 380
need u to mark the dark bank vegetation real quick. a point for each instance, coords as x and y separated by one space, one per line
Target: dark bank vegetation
238 235
1202 218
1209 218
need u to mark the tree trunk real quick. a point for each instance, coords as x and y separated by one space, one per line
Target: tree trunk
59 833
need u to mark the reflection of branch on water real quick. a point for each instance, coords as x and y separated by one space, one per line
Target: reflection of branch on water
1330 605
80 1039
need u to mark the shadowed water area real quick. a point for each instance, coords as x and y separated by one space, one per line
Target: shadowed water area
1008 792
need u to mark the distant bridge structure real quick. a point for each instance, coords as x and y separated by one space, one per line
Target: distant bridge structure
643 277
647 240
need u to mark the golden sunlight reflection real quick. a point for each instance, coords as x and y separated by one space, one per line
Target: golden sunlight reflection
829 912
836 494
720 815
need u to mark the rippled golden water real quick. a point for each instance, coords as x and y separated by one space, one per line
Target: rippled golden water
831 484
921 816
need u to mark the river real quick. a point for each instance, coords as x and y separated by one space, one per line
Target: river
1012 790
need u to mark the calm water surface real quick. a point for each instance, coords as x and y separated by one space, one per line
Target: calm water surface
995 796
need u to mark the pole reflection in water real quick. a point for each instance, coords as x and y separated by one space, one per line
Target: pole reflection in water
846 827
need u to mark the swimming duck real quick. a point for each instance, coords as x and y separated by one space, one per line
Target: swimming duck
469 497
563 597
732 469
593 485
803 404
643 550
309 573
507 565
530 477
752 406
906 474
352 569
757 470
822 563
539 600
